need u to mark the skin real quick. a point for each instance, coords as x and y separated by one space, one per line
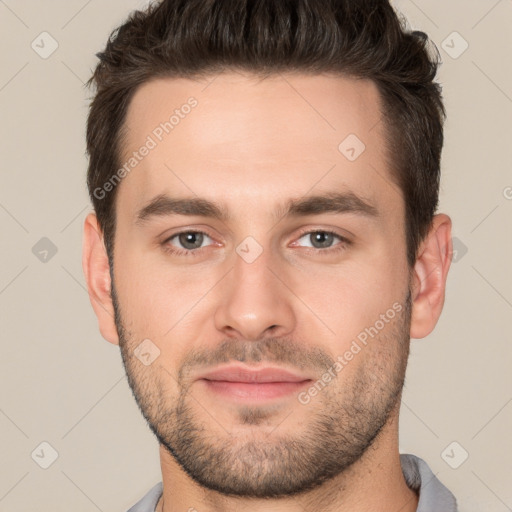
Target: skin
296 305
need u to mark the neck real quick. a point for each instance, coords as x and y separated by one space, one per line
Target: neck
374 482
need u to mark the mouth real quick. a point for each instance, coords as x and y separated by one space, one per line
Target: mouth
254 391
241 383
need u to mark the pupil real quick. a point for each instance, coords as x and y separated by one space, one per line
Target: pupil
322 238
195 239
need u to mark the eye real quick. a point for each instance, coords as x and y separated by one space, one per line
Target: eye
190 243
186 242
324 240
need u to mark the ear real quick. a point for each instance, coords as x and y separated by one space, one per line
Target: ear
429 276
97 275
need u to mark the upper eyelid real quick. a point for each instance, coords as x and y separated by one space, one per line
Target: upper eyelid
187 231
325 230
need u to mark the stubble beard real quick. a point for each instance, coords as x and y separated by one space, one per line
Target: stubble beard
344 421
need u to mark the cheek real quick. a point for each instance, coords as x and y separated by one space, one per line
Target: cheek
349 297
158 298
161 299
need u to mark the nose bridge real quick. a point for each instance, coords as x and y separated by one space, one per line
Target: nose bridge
254 299
252 270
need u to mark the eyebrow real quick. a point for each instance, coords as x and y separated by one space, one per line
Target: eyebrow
334 202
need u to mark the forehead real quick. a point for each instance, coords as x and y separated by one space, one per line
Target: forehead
253 141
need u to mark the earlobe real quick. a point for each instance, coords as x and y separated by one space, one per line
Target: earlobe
429 277
97 275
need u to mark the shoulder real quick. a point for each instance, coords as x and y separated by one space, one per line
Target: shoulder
149 501
433 495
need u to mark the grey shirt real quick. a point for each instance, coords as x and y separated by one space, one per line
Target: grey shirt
433 495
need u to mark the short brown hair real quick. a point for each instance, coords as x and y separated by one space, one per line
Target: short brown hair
356 38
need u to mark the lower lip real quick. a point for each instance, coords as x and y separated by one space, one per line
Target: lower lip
254 391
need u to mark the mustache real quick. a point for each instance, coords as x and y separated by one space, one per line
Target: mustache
271 350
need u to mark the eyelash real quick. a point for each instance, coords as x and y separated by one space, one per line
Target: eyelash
195 252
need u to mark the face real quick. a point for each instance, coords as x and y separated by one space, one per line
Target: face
257 231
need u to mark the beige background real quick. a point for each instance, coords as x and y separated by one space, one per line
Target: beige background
62 384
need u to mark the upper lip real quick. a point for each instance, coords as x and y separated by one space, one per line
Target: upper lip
246 374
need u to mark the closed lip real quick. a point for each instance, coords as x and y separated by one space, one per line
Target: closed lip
253 375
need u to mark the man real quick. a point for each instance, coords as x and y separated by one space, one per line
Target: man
264 245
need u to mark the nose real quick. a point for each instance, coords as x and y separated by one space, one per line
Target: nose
255 301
